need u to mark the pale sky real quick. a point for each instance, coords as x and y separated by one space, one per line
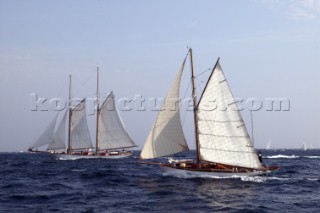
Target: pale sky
268 49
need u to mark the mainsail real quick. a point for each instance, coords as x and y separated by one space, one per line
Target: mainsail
166 136
80 136
112 133
47 136
223 137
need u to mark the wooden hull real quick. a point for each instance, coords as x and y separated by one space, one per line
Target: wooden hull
79 156
186 169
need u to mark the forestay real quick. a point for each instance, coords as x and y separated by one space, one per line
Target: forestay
223 137
166 136
112 133
80 137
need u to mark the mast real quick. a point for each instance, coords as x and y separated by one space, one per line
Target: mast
251 115
69 118
97 119
194 97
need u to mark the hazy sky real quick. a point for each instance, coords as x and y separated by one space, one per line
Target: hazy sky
268 49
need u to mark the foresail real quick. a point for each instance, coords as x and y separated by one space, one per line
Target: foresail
166 136
59 135
47 136
112 133
80 136
223 137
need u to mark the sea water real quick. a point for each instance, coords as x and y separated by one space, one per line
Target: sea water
39 183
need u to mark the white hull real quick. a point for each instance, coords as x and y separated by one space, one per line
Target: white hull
190 173
77 157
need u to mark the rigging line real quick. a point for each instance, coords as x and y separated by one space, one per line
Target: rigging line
199 84
184 116
185 94
201 73
195 59
84 83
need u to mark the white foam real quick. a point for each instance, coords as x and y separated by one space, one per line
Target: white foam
61 158
313 179
256 179
311 156
282 156
279 178
192 175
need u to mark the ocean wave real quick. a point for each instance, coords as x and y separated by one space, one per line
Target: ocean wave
280 178
311 156
282 156
192 175
256 179
290 156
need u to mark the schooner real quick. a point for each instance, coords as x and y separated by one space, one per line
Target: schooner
112 138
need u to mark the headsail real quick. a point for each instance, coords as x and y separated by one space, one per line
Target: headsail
47 136
112 133
59 135
166 136
80 137
223 137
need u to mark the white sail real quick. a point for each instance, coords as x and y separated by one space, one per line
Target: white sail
304 146
223 137
47 136
80 137
268 145
311 146
112 133
166 136
59 135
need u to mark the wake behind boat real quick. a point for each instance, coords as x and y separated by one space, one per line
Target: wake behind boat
223 145
112 138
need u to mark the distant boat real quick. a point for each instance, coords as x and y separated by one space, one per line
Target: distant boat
223 145
304 146
112 138
311 146
268 145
